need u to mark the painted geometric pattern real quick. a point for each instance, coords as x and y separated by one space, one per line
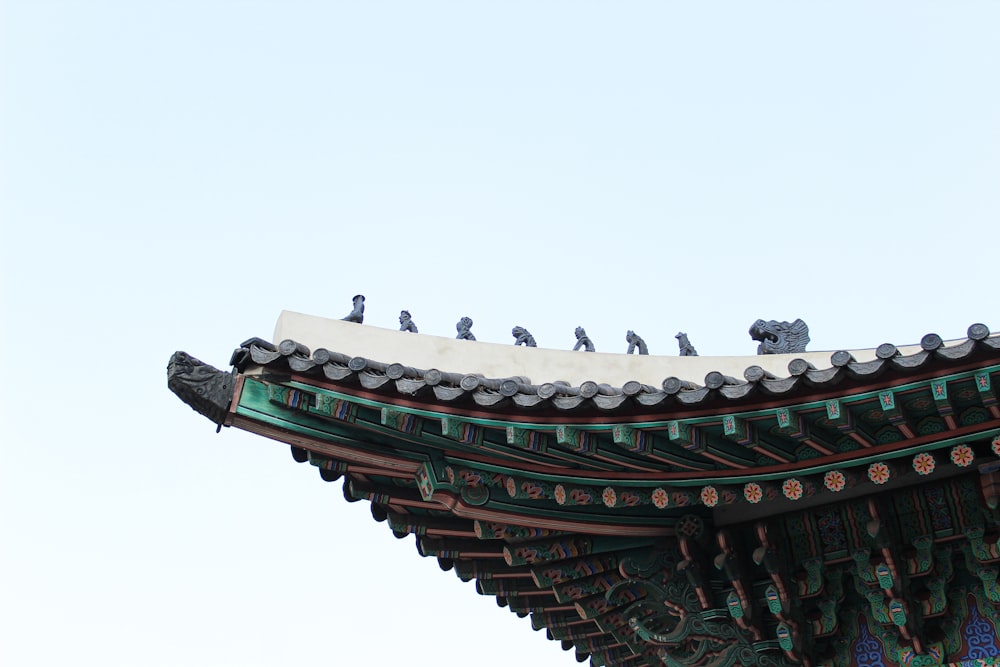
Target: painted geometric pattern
980 636
867 650
831 531
937 508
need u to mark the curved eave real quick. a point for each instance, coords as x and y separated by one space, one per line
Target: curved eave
485 379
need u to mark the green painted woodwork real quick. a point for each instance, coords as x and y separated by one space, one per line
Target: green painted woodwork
327 463
632 439
737 430
333 408
596 584
681 433
295 399
810 581
733 605
551 574
576 440
461 431
436 442
488 530
939 390
397 420
572 546
529 439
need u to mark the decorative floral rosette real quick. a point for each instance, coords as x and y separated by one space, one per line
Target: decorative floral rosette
962 455
752 492
609 497
924 463
996 445
792 488
511 486
879 473
660 498
560 493
709 496
834 480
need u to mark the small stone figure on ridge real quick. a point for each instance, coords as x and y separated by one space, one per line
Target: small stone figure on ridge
583 341
635 341
464 328
406 323
358 313
780 337
687 349
523 337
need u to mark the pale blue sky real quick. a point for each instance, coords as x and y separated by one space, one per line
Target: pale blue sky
172 175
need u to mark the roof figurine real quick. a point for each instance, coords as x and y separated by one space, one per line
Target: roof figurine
635 342
523 337
357 314
582 340
464 327
406 322
687 349
780 337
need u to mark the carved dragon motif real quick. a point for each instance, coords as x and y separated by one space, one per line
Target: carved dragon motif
206 389
780 337
670 615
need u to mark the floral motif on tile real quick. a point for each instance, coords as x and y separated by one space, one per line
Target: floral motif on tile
834 480
752 492
660 498
924 463
792 488
560 493
629 499
879 473
962 455
709 496
609 497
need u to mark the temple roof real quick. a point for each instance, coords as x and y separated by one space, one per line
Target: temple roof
780 503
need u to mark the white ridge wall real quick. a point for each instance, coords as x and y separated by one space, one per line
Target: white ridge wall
539 365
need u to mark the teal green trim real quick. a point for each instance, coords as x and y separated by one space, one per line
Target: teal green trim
255 402
976 376
730 480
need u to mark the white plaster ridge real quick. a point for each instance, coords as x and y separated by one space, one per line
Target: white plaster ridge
539 365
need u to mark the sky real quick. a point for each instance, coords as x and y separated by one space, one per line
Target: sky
174 174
